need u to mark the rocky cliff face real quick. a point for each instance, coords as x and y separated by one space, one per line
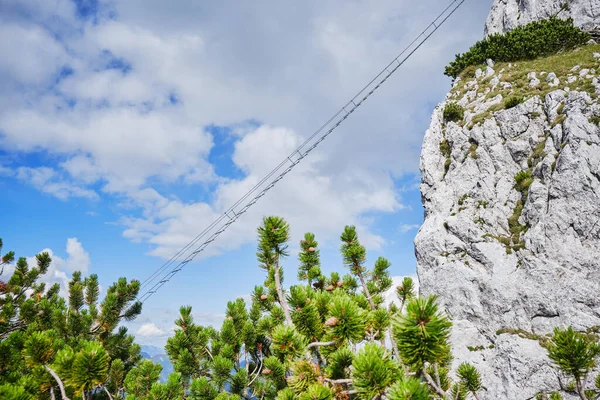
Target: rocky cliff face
511 237
508 14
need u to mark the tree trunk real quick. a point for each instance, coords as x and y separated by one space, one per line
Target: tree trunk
58 381
282 300
580 389
364 285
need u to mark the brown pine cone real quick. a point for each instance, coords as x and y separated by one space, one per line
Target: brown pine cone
263 297
333 321
329 288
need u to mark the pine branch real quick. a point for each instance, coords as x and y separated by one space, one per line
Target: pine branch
58 381
257 371
437 374
107 392
282 300
433 385
338 381
366 289
321 344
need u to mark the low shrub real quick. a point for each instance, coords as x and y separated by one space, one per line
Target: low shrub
512 102
453 112
537 39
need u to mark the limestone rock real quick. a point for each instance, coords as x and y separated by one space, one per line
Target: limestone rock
552 276
508 14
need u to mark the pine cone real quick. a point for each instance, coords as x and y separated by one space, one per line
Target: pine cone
266 371
230 318
3 287
333 321
400 288
311 249
340 284
298 308
329 288
263 297
303 241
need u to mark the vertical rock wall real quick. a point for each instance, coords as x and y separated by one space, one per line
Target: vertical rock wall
508 263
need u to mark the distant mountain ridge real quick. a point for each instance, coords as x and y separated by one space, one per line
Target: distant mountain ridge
158 356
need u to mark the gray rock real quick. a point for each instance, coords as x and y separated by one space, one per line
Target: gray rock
552 79
508 14
553 281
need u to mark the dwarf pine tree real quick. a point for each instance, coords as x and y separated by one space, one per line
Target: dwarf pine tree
575 354
324 338
62 348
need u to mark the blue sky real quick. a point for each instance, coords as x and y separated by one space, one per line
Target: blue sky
126 127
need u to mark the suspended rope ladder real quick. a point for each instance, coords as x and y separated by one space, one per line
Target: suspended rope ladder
197 245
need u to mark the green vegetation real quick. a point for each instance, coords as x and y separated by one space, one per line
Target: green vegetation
534 40
513 101
575 354
537 155
297 343
475 348
453 112
472 150
516 75
523 179
595 120
446 152
51 346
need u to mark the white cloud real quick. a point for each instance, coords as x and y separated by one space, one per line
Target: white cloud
286 64
309 199
150 329
47 180
406 227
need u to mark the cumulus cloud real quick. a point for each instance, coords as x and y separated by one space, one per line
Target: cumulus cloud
149 329
60 269
126 104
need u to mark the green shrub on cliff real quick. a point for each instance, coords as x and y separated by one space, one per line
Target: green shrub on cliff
537 39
